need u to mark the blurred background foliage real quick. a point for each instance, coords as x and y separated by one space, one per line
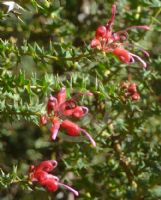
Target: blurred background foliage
46 47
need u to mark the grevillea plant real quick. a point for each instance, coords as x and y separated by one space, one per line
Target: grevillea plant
108 41
41 174
58 108
62 92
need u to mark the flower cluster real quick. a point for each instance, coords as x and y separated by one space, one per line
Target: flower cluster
58 108
41 174
130 90
109 41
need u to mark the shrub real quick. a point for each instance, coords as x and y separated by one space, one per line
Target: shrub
78 87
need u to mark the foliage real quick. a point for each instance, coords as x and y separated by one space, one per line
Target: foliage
46 46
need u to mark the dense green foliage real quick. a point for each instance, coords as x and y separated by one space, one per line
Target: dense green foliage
47 47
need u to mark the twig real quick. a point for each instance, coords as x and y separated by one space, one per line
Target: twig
125 164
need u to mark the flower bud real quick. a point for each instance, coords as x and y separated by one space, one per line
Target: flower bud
101 32
135 96
132 88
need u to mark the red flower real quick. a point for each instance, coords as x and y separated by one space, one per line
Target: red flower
131 91
41 175
109 41
37 173
54 128
122 54
58 108
73 129
47 166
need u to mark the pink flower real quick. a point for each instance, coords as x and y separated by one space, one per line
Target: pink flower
40 174
58 108
109 41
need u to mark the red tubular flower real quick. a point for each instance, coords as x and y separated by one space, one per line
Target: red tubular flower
73 129
50 183
61 96
101 32
127 57
80 111
38 172
58 108
47 166
54 128
52 103
41 175
69 108
122 54
109 41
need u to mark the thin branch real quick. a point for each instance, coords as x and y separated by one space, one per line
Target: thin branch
125 164
28 113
